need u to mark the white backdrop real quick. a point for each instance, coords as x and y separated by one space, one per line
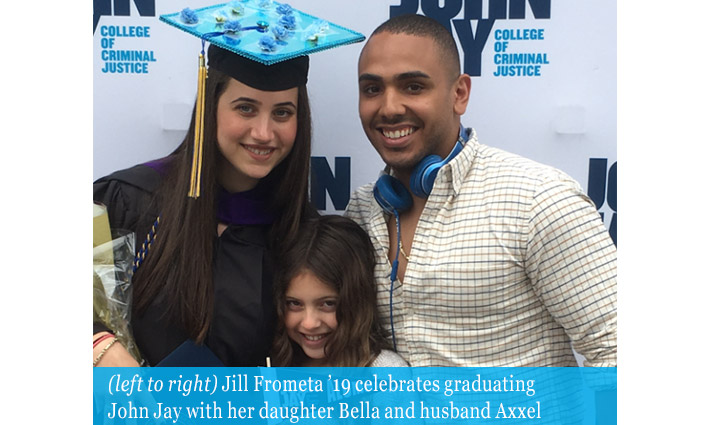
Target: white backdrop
563 118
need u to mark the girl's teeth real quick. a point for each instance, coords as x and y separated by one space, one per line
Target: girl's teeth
258 151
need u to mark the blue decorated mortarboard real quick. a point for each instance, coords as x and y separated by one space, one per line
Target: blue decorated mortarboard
261 43
262 30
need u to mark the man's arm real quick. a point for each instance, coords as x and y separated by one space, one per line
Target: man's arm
571 261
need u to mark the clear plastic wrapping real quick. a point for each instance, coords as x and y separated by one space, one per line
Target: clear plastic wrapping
112 289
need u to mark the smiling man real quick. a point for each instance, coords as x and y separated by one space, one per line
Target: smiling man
493 259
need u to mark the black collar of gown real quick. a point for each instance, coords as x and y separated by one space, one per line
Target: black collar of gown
245 208
241 208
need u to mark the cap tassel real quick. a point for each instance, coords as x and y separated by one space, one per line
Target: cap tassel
195 184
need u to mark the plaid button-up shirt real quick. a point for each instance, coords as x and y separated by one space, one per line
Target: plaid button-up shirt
510 265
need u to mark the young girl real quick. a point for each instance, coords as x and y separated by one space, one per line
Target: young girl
326 299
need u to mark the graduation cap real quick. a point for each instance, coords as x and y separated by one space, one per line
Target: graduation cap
261 43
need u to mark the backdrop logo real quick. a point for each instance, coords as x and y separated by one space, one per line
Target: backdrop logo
120 8
336 183
602 186
508 63
114 38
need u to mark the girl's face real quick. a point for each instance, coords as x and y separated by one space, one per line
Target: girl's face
255 132
310 315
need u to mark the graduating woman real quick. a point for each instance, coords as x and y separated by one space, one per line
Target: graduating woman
206 276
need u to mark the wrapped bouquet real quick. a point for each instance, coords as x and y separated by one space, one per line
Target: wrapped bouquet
113 254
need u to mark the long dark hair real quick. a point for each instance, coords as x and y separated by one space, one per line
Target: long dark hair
338 252
179 263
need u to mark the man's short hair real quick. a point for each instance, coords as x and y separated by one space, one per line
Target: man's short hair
423 26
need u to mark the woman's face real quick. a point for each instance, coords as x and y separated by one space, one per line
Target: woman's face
310 315
255 132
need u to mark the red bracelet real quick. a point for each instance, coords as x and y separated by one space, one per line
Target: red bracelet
101 338
95 340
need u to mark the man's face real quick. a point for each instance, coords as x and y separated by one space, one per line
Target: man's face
408 99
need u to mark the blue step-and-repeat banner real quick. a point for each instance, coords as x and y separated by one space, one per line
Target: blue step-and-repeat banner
543 86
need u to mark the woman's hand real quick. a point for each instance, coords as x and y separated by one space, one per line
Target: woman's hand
115 356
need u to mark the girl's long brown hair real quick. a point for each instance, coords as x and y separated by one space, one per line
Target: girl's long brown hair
179 264
338 252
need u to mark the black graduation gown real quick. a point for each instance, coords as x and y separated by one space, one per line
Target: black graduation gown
241 331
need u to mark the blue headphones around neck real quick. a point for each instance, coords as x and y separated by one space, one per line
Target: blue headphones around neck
392 195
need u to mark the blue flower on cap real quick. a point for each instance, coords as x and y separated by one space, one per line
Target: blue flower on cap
236 8
288 21
232 26
284 9
281 33
188 16
265 3
267 43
